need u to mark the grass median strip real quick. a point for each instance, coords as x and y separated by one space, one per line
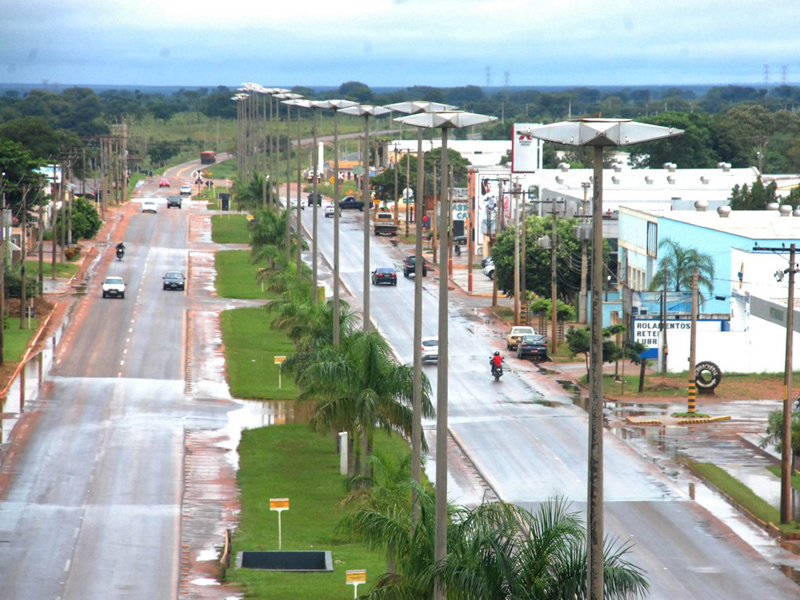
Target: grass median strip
230 229
291 461
250 348
237 276
742 495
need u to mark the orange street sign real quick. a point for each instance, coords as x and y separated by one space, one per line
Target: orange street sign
279 504
357 576
279 360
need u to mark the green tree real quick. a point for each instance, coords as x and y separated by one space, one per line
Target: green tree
694 148
357 91
85 220
579 342
773 436
754 198
676 267
359 387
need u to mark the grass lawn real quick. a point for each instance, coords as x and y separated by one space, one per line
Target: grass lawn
229 229
236 275
743 495
776 470
66 270
15 340
504 313
250 346
221 170
290 461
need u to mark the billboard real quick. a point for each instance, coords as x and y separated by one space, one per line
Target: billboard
525 149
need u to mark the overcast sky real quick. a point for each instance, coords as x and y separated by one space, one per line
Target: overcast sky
398 42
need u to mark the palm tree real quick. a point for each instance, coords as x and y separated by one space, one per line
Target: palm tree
267 233
499 551
358 386
496 551
676 266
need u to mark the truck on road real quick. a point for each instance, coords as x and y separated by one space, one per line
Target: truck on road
207 157
383 223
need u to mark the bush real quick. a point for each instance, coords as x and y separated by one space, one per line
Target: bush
14 285
85 220
72 252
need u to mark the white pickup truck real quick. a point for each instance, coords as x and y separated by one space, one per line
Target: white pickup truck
113 286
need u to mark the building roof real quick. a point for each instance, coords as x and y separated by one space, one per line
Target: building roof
751 224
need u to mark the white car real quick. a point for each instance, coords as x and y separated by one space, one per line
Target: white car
329 209
149 207
186 190
430 349
113 286
488 269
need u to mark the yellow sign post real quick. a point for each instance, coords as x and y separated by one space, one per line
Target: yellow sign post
279 360
279 505
356 578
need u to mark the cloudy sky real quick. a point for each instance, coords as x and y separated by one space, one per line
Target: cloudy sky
399 42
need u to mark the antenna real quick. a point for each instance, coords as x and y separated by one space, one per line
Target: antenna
784 74
766 74
488 76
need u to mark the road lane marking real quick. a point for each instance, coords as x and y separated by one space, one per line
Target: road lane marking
66 566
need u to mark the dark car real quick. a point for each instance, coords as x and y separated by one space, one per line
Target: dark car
174 201
351 202
174 280
532 345
311 199
384 275
409 266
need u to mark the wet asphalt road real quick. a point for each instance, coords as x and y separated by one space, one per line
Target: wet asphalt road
529 442
93 510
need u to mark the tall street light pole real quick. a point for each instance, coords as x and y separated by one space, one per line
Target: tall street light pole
419 210
366 111
443 121
286 99
597 133
336 106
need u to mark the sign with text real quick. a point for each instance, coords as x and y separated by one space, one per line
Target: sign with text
648 331
280 359
357 576
460 211
524 149
279 504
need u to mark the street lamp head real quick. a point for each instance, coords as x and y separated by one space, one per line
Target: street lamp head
418 106
335 104
445 119
601 132
361 110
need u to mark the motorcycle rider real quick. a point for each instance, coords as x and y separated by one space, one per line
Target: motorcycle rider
120 249
496 361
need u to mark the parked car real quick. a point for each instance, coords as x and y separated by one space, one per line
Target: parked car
516 334
430 349
329 210
113 286
532 345
176 201
163 182
311 199
186 190
384 275
488 268
409 266
149 206
174 280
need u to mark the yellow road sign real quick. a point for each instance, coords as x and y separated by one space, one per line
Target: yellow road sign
279 359
356 576
279 504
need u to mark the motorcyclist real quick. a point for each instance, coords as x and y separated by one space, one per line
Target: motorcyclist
496 361
120 250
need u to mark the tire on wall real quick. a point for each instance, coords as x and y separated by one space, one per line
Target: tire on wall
707 376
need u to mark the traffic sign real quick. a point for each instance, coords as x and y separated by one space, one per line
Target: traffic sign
279 505
356 578
279 359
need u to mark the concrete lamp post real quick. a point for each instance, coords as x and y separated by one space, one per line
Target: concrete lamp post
419 210
598 133
366 111
299 103
336 106
443 121
285 99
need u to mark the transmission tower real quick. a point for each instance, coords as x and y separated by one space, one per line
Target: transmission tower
766 74
488 76
784 75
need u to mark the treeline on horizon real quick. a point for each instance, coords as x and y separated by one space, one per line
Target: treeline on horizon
726 124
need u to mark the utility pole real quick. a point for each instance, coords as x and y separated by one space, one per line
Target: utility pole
522 265
584 258
450 223
435 216
396 197
786 454
664 346
408 187
64 177
3 263
40 240
553 286
516 260
786 450
24 226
